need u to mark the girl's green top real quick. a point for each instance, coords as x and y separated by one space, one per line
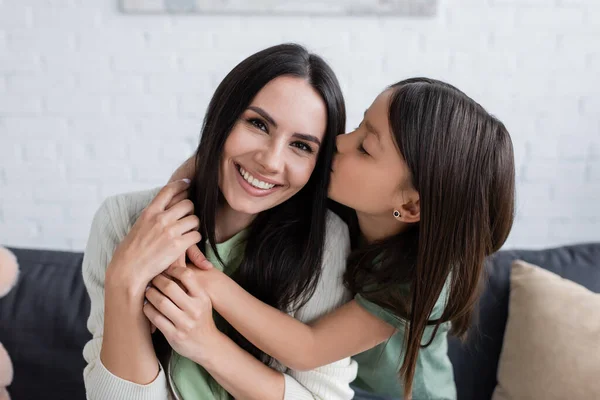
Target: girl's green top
378 367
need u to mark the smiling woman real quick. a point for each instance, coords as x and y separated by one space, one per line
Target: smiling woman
266 160
258 198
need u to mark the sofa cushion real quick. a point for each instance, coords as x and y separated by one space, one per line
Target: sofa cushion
475 361
44 325
551 346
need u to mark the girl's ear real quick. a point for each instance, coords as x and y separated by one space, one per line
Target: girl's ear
408 207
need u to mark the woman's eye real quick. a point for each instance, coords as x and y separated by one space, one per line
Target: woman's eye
259 124
303 146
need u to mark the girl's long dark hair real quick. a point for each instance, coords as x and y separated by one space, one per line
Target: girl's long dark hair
282 260
461 163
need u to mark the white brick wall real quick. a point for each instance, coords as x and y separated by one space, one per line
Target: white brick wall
93 102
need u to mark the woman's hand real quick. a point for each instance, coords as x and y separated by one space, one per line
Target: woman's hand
185 171
183 313
161 234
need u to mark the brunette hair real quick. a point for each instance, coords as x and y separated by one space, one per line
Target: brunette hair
461 163
282 258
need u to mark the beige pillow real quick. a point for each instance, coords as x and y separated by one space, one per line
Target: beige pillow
551 346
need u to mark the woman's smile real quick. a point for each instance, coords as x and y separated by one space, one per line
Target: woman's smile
254 184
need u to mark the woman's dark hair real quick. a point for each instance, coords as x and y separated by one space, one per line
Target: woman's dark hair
282 259
461 163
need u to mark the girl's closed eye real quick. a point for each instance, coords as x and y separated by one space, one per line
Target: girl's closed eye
361 148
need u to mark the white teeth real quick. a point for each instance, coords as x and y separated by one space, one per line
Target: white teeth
255 182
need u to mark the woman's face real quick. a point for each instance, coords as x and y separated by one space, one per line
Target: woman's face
369 174
272 150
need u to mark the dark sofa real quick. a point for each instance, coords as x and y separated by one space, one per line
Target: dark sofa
43 320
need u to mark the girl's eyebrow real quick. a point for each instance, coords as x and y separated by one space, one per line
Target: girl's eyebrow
372 130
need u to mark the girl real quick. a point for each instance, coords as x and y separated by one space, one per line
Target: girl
261 188
427 184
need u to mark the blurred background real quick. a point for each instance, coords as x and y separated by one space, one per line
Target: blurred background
96 101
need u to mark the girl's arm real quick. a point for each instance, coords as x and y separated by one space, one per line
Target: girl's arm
246 378
242 375
347 331
185 317
185 170
330 334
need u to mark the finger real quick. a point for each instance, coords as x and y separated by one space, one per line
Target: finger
181 196
197 258
158 320
186 224
152 328
166 306
185 276
180 262
179 210
166 194
190 239
173 292
187 169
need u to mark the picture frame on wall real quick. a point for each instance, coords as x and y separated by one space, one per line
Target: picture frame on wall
283 7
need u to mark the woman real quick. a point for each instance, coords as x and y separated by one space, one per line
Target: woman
261 188
427 181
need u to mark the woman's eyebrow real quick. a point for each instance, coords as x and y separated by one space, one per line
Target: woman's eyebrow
265 115
308 138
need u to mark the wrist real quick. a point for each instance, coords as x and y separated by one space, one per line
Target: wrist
212 351
124 285
216 286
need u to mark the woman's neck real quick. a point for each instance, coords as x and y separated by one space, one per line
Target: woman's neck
230 222
374 227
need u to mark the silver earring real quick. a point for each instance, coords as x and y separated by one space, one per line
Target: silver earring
396 214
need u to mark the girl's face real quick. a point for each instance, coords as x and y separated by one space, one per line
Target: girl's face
272 150
369 174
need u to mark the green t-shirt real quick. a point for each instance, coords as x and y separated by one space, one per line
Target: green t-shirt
378 367
191 381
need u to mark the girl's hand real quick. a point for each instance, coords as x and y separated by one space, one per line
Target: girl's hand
162 233
185 170
198 258
183 313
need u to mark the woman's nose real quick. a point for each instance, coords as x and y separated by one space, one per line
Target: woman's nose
272 158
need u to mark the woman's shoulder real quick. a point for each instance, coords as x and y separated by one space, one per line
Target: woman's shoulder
337 244
122 210
336 230
330 292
